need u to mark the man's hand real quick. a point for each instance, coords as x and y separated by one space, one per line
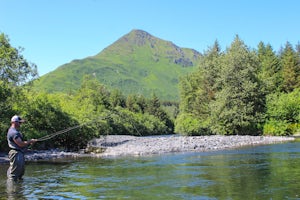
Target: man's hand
22 143
32 141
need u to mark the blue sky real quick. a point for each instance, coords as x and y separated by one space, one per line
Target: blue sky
55 32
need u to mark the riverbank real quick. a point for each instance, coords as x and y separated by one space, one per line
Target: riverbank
122 145
131 145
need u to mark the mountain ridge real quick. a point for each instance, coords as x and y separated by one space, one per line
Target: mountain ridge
137 63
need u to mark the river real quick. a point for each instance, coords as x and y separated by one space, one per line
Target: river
260 172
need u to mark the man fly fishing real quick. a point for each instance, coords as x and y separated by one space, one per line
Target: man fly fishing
17 146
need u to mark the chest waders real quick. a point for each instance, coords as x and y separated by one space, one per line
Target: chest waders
17 164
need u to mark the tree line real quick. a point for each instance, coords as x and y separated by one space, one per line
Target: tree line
242 91
101 111
237 91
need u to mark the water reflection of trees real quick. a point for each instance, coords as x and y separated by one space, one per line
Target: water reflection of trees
253 175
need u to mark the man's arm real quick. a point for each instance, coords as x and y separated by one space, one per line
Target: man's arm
22 143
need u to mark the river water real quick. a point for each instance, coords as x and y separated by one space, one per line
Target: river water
261 172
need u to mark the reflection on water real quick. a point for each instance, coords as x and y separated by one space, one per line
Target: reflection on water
14 189
263 172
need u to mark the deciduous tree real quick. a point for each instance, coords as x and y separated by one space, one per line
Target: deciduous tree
14 68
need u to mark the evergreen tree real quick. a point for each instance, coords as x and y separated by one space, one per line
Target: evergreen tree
290 62
93 91
154 108
211 68
190 88
298 48
239 104
269 68
142 103
134 104
117 99
197 90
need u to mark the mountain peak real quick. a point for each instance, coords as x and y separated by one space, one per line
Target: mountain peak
137 63
138 37
140 33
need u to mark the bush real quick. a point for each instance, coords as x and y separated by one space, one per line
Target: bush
187 124
139 124
278 128
283 113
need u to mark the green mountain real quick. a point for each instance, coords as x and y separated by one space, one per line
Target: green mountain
137 63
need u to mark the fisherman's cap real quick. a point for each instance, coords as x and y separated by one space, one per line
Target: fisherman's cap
16 118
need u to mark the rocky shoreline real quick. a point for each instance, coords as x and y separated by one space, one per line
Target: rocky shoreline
122 145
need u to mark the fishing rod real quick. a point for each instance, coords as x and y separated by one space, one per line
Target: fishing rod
50 136
47 137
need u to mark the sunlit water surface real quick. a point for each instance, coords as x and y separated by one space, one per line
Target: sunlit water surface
261 172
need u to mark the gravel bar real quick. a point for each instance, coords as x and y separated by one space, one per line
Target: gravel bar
123 145
118 145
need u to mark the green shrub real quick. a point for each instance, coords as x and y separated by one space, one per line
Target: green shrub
283 113
274 127
187 124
